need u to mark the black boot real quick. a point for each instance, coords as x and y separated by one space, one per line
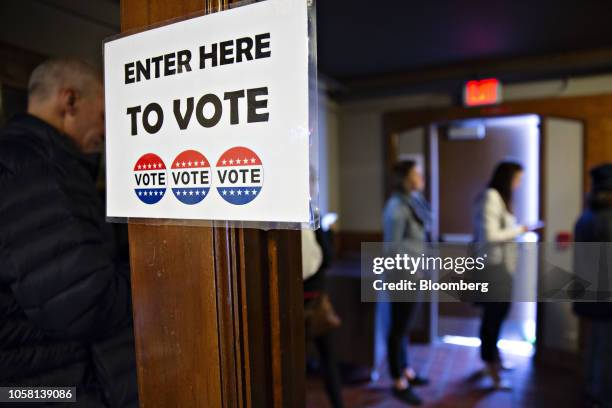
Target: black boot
407 395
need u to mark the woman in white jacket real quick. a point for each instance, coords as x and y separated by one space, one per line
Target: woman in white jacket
495 227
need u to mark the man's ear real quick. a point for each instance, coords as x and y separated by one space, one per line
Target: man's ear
67 99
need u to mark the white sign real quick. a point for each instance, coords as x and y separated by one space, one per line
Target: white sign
208 118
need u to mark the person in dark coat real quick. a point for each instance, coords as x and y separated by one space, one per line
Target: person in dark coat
65 302
595 225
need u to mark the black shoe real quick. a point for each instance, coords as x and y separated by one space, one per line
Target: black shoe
418 381
407 395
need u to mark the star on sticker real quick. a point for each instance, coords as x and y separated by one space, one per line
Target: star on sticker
231 161
202 163
190 192
224 192
140 193
203 192
149 166
183 164
239 192
197 192
254 192
238 161
184 192
231 192
189 164
139 167
253 160
246 192
245 160
145 193
224 162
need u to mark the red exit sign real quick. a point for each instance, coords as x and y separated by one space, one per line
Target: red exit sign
482 92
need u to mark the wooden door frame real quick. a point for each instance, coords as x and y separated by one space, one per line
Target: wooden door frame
218 311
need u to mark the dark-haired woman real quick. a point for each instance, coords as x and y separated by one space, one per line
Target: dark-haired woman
406 220
494 227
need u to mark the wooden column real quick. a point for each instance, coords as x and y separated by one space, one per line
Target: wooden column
218 312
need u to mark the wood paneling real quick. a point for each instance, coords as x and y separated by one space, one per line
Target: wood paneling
595 111
175 316
218 312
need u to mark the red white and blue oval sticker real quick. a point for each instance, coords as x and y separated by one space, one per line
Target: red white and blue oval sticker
240 175
190 177
150 178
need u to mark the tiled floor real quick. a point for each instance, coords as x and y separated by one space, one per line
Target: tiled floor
455 382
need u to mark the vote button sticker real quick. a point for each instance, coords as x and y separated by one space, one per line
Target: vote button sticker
150 178
190 177
240 175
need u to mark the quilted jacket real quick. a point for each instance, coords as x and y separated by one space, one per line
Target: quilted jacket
65 304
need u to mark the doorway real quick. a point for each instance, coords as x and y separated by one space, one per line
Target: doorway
463 155
457 167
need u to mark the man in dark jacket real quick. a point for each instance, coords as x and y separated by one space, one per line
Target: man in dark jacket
590 262
65 304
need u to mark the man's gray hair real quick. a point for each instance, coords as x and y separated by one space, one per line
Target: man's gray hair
57 73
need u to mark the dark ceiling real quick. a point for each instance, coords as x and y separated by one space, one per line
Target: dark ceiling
360 38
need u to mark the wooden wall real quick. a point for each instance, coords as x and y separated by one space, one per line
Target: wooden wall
218 312
595 111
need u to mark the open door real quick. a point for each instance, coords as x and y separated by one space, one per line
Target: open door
464 154
562 191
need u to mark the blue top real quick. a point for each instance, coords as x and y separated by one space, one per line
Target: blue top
406 217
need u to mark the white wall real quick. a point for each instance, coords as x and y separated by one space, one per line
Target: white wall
333 153
360 172
564 184
327 149
361 141
361 157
